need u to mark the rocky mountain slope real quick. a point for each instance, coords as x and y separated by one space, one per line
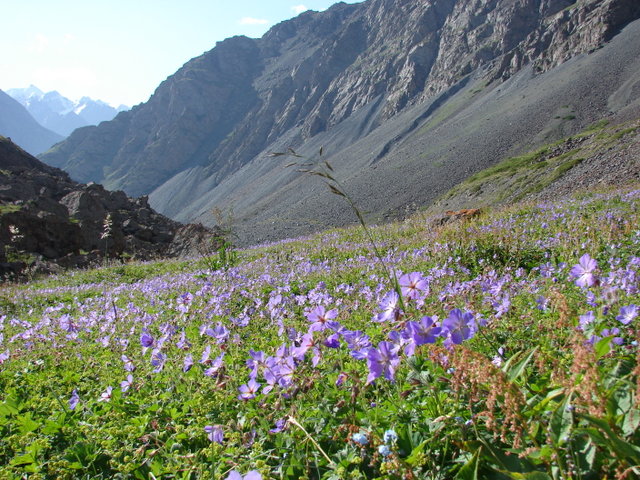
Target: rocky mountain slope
407 98
18 124
601 155
46 219
61 115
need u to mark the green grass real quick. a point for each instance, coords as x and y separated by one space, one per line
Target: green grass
515 178
9 208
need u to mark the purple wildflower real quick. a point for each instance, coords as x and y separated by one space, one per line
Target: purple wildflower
204 359
4 356
383 360
183 302
627 314
358 342
425 331
586 320
157 360
389 306
219 332
612 332
128 364
332 341
249 390
183 343
126 384
502 306
542 303
319 318
67 323
306 342
252 475
106 395
146 340
390 436
74 400
403 339
188 363
583 271
280 426
257 360
215 367
384 450
413 285
497 360
215 433
459 325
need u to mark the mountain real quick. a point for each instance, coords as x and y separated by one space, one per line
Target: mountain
96 111
48 220
22 128
406 98
61 115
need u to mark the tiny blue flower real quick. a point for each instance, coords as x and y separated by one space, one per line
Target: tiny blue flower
360 438
390 436
384 450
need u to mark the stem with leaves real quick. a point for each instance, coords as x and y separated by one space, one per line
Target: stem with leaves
325 171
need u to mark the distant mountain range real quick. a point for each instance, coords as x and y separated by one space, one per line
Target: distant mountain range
61 115
18 124
406 98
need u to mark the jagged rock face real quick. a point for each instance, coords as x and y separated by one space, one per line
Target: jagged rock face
310 74
44 213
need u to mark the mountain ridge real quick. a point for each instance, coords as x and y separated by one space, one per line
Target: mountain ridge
17 123
368 80
61 115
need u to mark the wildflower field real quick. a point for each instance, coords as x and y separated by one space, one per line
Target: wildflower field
503 347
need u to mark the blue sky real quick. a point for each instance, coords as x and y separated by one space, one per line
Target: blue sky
120 50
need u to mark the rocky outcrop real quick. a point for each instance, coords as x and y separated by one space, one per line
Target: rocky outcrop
345 73
47 219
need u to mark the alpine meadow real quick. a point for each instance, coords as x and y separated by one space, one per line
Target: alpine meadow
410 251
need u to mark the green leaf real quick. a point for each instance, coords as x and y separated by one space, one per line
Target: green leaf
505 461
51 428
10 406
543 453
602 347
22 460
469 470
536 476
619 401
561 421
415 457
630 422
517 370
27 424
586 453
612 441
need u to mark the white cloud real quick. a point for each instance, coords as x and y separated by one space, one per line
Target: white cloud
253 21
68 38
298 9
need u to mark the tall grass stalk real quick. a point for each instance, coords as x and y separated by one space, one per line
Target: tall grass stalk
326 172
